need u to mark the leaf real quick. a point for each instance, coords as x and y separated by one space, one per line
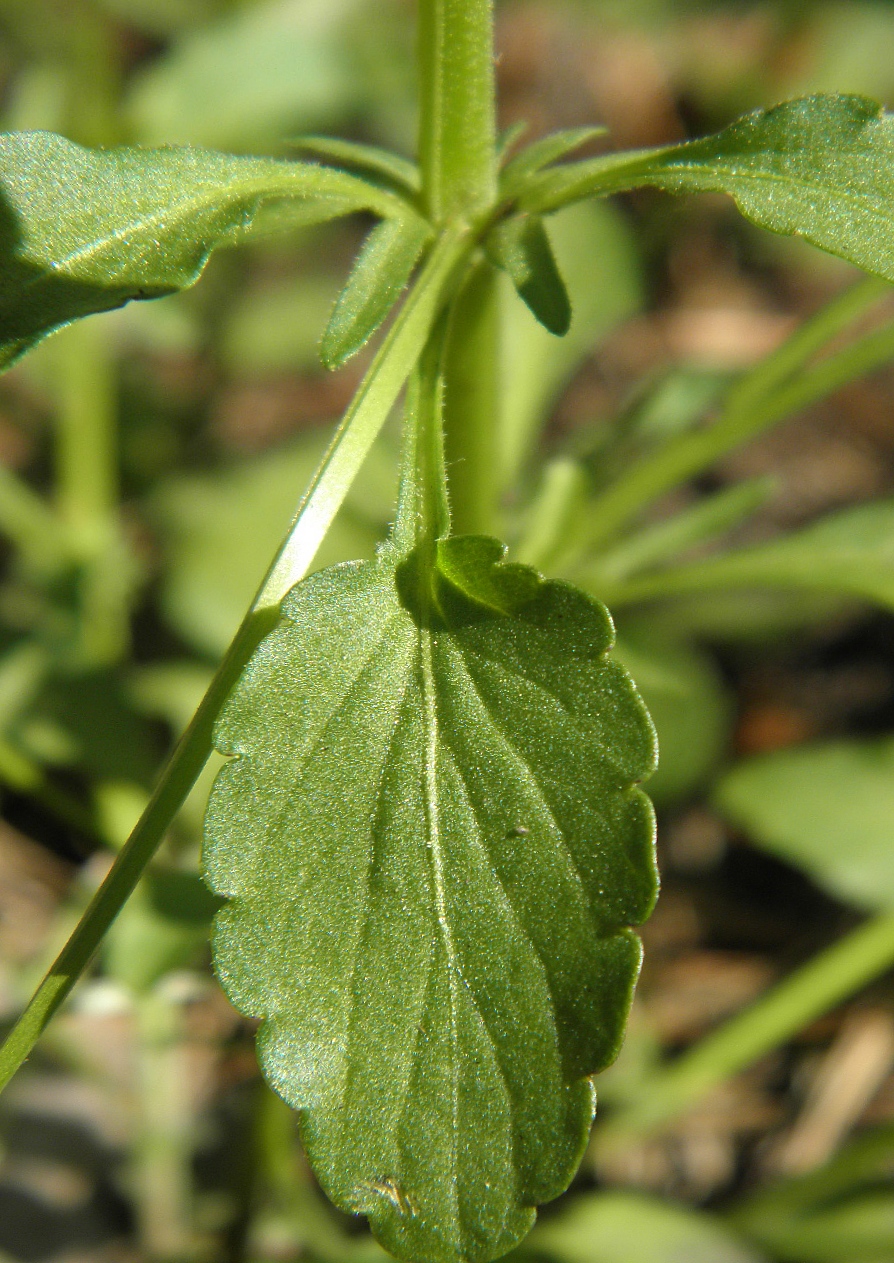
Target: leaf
433 845
621 1227
851 552
85 230
521 247
821 168
596 254
372 162
826 808
542 153
379 276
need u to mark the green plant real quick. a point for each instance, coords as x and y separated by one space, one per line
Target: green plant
431 818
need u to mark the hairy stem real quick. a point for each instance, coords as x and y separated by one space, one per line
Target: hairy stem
457 112
471 385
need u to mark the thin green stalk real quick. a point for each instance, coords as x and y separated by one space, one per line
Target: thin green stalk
166 1132
458 161
471 403
664 540
806 341
747 415
827 979
86 443
356 434
457 110
370 406
423 512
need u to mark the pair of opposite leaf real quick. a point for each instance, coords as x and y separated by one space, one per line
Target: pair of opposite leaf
88 230
429 829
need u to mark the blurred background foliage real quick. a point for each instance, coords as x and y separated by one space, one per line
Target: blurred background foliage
151 459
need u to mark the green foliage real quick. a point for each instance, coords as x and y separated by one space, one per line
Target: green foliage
430 829
820 168
378 279
616 1227
521 247
827 808
431 876
133 223
850 552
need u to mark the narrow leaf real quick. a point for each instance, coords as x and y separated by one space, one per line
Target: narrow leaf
375 163
521 247
379 275
851 553
542 153
86 230
433 844
821 168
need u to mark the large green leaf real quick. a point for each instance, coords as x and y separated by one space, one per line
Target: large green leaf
85 230
433 843
821 168
827 808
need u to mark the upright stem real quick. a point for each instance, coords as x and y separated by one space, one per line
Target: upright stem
457 112
457 152
423 515
471 376
87 447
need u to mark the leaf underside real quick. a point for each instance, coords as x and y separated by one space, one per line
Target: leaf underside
433 845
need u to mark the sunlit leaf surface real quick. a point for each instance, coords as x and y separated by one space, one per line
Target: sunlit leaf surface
821 168
433 843
85 230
